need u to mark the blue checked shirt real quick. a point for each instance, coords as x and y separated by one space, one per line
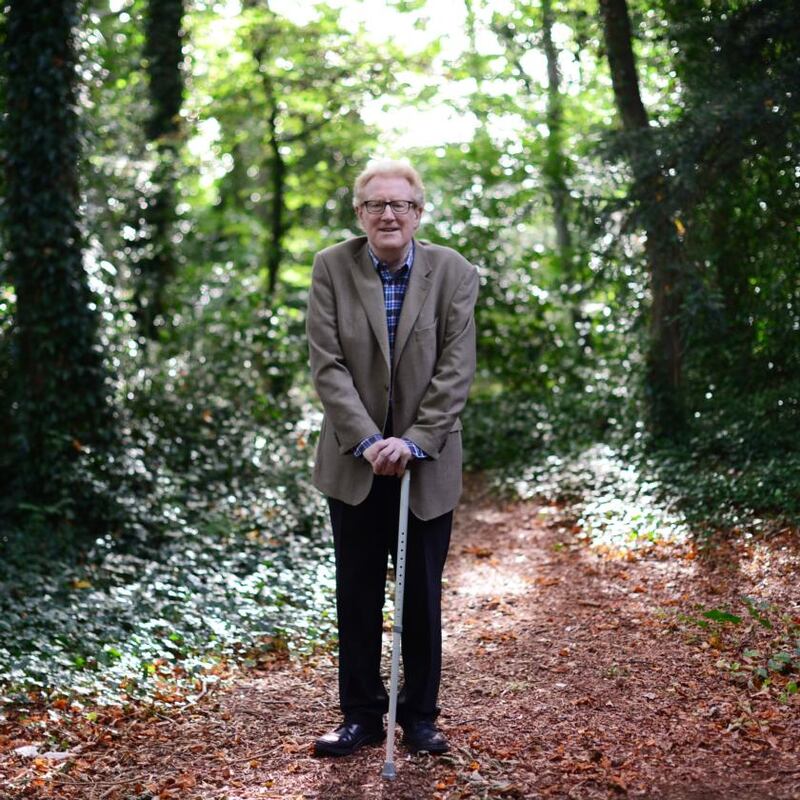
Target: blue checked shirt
394 292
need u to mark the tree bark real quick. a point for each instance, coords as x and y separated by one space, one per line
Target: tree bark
275 166
59 379
663 250
164 53
277 222
555 166
555 172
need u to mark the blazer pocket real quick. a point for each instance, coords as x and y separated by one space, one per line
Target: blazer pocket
426 330
323 431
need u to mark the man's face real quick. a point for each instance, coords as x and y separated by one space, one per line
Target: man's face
388 233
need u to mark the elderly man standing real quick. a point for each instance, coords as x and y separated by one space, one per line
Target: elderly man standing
392 346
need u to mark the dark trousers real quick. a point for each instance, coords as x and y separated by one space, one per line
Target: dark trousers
363 536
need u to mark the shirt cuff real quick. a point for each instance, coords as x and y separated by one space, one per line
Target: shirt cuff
416 451
365 443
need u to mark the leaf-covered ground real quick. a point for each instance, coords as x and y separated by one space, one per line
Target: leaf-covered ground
571 670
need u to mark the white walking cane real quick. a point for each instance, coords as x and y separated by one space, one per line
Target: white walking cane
397 628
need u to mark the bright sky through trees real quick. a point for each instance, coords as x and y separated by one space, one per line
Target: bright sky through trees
408 124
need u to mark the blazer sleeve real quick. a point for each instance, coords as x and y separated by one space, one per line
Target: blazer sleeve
447 393
329 373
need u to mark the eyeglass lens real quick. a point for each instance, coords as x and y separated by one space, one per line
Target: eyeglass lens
398 206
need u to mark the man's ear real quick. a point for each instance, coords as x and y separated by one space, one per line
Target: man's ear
357 210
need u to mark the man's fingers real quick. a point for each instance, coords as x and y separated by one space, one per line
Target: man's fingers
374 450
389 464
389 470
388 456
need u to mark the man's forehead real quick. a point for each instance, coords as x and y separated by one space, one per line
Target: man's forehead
387 183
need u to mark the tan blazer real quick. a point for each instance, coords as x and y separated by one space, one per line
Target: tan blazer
434 363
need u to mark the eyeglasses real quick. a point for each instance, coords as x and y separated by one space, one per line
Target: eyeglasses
397 206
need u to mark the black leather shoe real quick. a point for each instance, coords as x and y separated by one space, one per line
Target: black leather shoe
423 735
346 739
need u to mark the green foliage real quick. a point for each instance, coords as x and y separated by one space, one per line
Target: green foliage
216 547
282 174
717 615
756 611
725 474
563 341
111 628
728 111
212 415
208 484
763 659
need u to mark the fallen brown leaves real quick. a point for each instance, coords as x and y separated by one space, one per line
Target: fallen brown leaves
569 672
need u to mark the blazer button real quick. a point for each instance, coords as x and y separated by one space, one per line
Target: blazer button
386 386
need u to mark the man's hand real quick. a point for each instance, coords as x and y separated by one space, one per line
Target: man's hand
388 456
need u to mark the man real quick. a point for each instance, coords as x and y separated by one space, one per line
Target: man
392 347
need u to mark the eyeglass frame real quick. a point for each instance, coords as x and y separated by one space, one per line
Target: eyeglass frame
411 204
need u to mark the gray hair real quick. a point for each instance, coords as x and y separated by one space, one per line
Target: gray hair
387 167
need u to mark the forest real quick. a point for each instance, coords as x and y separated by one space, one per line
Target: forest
625 177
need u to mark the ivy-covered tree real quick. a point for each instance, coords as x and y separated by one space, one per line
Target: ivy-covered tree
60 405
733 149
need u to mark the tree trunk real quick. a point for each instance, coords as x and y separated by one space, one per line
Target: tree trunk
277 223
58 372
164 54
555 165
555 172
475 66
275 212
663 250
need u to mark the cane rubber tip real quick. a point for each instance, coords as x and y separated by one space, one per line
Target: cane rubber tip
389 772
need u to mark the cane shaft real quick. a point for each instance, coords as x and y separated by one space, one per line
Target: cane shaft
397 627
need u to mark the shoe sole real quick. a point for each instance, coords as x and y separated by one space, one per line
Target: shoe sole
435 751
331 750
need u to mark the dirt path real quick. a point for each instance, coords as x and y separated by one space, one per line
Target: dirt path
568 674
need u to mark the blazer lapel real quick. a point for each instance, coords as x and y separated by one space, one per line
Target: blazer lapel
419 285
370 291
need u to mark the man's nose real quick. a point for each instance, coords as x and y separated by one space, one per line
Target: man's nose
388 209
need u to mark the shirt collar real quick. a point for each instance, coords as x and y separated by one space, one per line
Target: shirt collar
407 263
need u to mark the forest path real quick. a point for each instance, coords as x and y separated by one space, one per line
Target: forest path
567 674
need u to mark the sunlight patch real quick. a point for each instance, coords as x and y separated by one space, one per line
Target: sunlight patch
495 582
615 507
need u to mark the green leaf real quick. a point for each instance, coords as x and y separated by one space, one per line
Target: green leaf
780 662
722 616
755 613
